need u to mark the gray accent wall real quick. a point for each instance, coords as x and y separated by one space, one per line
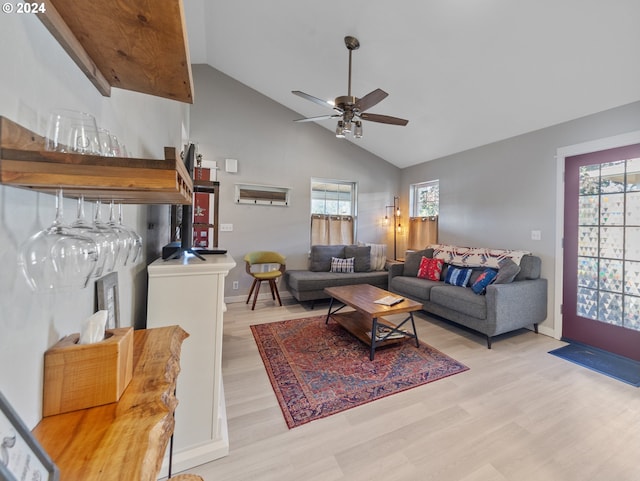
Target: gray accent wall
495 195
231 120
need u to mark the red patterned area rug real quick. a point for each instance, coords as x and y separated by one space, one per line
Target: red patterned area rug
317 370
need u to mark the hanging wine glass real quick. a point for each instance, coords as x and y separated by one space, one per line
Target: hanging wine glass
136 240
124 239
81 227
110 236
56 257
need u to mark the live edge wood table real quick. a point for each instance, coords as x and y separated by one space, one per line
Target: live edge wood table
363 321
125 440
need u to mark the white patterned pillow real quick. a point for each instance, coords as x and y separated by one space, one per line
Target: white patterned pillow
475 256
341 265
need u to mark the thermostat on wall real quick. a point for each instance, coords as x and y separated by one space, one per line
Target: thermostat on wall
231 165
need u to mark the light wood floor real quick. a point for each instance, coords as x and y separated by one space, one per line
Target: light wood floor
518 414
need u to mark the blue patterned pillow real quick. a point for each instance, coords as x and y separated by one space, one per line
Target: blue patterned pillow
457 276
342 265
483 280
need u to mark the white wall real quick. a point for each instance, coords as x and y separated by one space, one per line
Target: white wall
230 120
37 76
495 195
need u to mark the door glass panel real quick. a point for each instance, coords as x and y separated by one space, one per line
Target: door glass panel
632 312
633 208
589 210
588 241
612 209
612 242
588 272
633 175
588 303
632 278
612 177
632 243
608 287
590 179
610 275
610 308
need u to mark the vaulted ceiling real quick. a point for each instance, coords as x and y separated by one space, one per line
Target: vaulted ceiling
464 72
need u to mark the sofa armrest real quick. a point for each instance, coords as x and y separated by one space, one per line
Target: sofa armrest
395 269
516 305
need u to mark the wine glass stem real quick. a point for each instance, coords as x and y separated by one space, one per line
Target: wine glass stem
59 208
81 207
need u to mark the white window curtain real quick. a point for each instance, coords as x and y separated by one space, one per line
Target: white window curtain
331 229
422 232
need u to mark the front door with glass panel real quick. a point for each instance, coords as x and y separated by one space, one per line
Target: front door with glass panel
601 285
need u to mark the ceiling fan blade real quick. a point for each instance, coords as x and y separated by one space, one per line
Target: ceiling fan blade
371 99
384 119
322 117
312 98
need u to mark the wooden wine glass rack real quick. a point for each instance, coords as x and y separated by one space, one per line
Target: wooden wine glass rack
25 163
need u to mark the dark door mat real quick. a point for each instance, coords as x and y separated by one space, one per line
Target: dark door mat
618 367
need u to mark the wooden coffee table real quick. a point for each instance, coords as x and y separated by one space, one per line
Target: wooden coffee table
367 315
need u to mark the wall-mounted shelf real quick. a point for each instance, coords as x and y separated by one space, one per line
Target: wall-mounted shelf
138 45
24 163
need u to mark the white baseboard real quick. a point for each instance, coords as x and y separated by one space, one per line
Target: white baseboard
261 297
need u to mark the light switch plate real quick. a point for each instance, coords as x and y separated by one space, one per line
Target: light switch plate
226 227
536 235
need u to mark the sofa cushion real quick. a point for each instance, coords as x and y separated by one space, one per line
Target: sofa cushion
320 259
430 269
338 264
413 287
303 281
507 271
530 267
458 276
460 299
487 276
412 261
361 255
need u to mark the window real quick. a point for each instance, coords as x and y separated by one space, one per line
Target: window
425 199
332 197
333 212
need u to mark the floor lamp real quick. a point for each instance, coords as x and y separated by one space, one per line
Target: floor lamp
396 223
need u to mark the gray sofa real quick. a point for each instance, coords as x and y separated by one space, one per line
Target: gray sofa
501 308
309 284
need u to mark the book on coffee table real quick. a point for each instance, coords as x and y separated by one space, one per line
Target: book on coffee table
389 300
384 331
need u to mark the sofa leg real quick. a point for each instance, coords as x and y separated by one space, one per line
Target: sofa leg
313 304
488 342
535 328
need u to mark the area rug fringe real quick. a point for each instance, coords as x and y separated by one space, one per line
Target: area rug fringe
319 369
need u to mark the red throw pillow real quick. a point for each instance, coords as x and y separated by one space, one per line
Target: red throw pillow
430 269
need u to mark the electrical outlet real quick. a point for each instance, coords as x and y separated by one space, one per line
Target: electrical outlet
235 284
536 235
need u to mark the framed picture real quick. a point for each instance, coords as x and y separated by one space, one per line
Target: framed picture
108 299
21 456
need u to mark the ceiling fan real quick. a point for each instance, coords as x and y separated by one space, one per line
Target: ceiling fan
352 110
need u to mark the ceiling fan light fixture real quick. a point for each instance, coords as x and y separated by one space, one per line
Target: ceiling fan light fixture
346 126
357 131
340 130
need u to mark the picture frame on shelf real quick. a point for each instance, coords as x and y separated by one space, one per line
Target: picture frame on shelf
109 299
21 456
